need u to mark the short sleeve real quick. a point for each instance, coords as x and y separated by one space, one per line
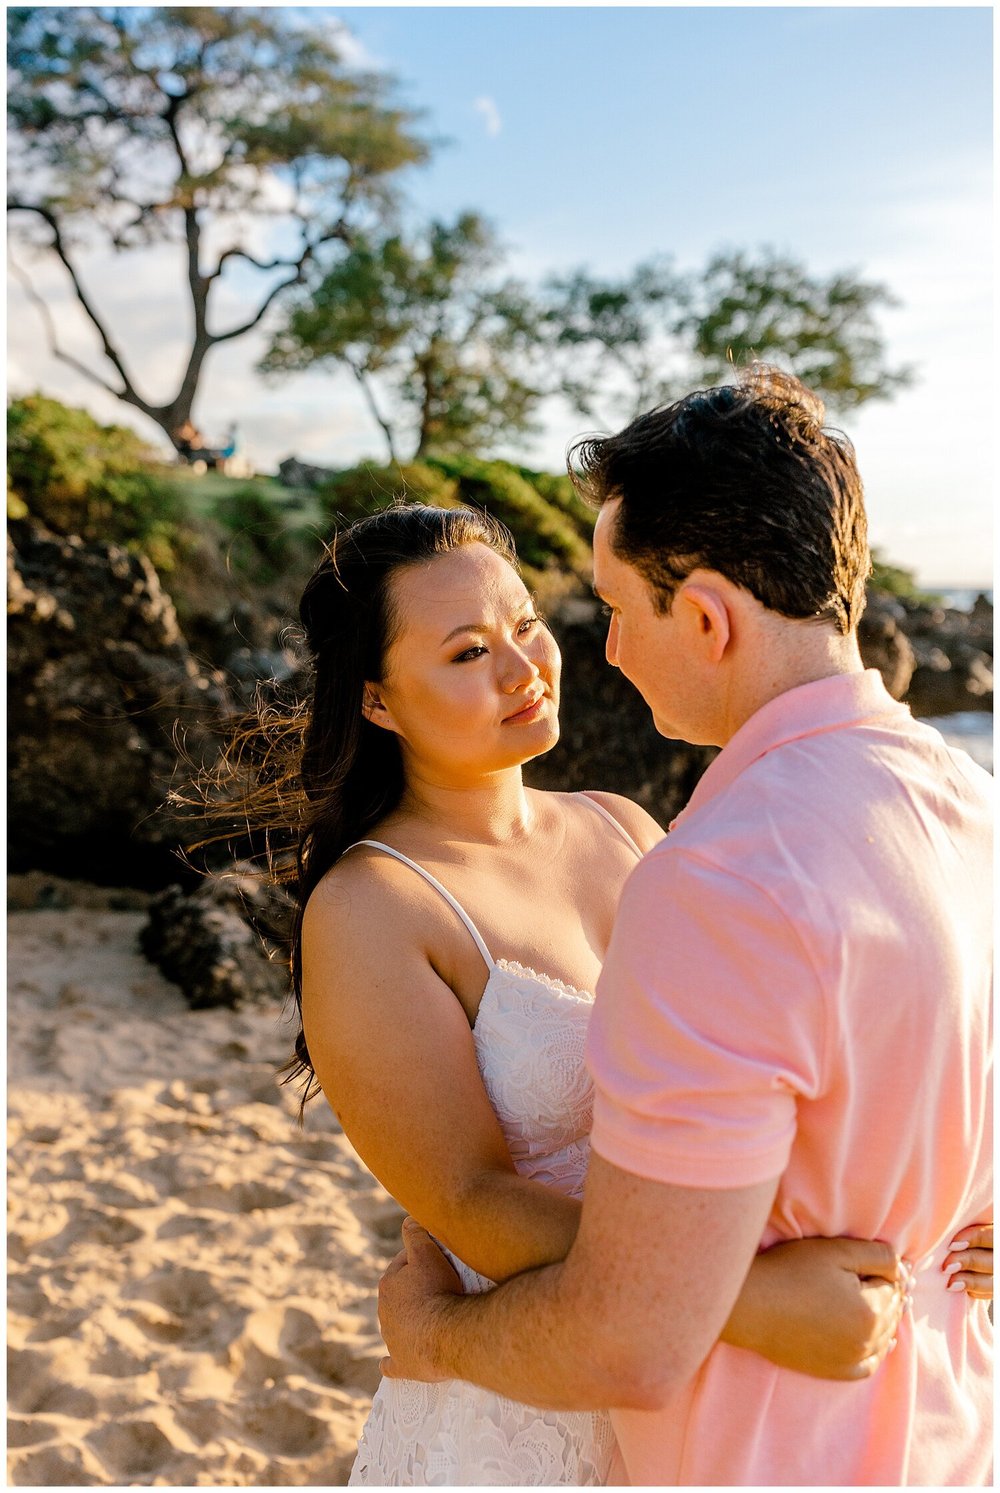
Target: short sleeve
708 1027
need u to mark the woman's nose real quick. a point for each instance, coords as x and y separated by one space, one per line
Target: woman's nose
519 669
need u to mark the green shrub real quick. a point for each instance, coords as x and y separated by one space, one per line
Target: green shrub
559 490
897 581
77 476
369 488
263 546
545 536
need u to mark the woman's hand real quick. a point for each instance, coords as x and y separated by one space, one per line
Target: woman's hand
969 1262
825 1307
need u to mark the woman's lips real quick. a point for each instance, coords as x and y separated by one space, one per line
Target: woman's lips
529 713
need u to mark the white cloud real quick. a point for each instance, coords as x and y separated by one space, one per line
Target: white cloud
354 52
487 107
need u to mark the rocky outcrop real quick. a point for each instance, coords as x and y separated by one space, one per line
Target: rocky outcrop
295 473
100 677
223 943
885 646
953 658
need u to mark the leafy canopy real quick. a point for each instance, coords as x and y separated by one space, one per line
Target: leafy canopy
621 346
133 113
428 329
232 131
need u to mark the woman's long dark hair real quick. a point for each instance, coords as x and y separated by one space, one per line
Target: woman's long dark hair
321 774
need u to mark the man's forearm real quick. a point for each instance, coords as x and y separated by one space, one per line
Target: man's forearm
623 1321
523 1341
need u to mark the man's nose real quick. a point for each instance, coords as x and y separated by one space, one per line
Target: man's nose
611 644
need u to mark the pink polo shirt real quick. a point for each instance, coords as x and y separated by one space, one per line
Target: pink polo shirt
799 986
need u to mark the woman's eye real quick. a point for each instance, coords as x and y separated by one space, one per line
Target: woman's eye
470 653
528 623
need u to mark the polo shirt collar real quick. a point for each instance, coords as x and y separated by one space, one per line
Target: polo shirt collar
824 705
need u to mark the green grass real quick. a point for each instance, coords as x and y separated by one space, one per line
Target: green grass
204 494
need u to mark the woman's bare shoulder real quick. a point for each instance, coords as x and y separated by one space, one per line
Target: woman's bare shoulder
364 892
643 828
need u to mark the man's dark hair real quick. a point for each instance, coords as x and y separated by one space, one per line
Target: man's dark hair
742 479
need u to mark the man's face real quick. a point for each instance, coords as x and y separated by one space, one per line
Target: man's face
645 644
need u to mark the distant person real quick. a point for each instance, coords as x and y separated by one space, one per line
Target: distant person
792 1028
188 439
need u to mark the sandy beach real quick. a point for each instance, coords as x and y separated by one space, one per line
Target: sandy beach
192 1276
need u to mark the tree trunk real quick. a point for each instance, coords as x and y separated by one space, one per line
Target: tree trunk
369 395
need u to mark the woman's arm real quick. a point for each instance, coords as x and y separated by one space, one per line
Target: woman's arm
825 1307
830 1307
393 1050
970 1262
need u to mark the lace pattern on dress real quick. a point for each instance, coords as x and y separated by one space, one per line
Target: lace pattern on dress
529 1037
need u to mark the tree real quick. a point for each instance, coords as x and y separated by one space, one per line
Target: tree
612 340
823 330
642 340
139 126
435 344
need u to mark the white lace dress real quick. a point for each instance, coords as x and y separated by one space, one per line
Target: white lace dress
529 1037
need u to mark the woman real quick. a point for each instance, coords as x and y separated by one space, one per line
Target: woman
451 925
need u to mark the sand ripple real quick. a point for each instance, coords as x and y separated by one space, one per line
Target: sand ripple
192 1277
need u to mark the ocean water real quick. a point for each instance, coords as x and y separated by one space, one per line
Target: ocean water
972 730
961 598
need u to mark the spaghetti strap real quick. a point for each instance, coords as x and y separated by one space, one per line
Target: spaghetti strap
452 901
606 814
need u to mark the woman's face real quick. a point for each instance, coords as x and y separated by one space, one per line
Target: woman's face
471 679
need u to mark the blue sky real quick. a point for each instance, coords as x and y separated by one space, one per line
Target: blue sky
851 138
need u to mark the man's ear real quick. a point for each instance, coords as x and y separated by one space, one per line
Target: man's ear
374 708
706 611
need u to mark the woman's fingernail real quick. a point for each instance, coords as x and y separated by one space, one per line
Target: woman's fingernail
950 1266
956 1285
959 1244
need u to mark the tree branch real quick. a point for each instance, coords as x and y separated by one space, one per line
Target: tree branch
50 331
259 314
367 391
258 264
129 393
338 231
174 101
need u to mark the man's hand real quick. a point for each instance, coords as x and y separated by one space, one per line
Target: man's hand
409 1299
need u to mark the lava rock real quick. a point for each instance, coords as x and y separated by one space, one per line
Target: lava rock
225 942
884 646
100 678
295 473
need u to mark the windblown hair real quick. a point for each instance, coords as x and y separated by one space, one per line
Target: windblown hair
315 777
742 479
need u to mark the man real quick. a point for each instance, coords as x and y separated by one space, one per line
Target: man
791 1034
